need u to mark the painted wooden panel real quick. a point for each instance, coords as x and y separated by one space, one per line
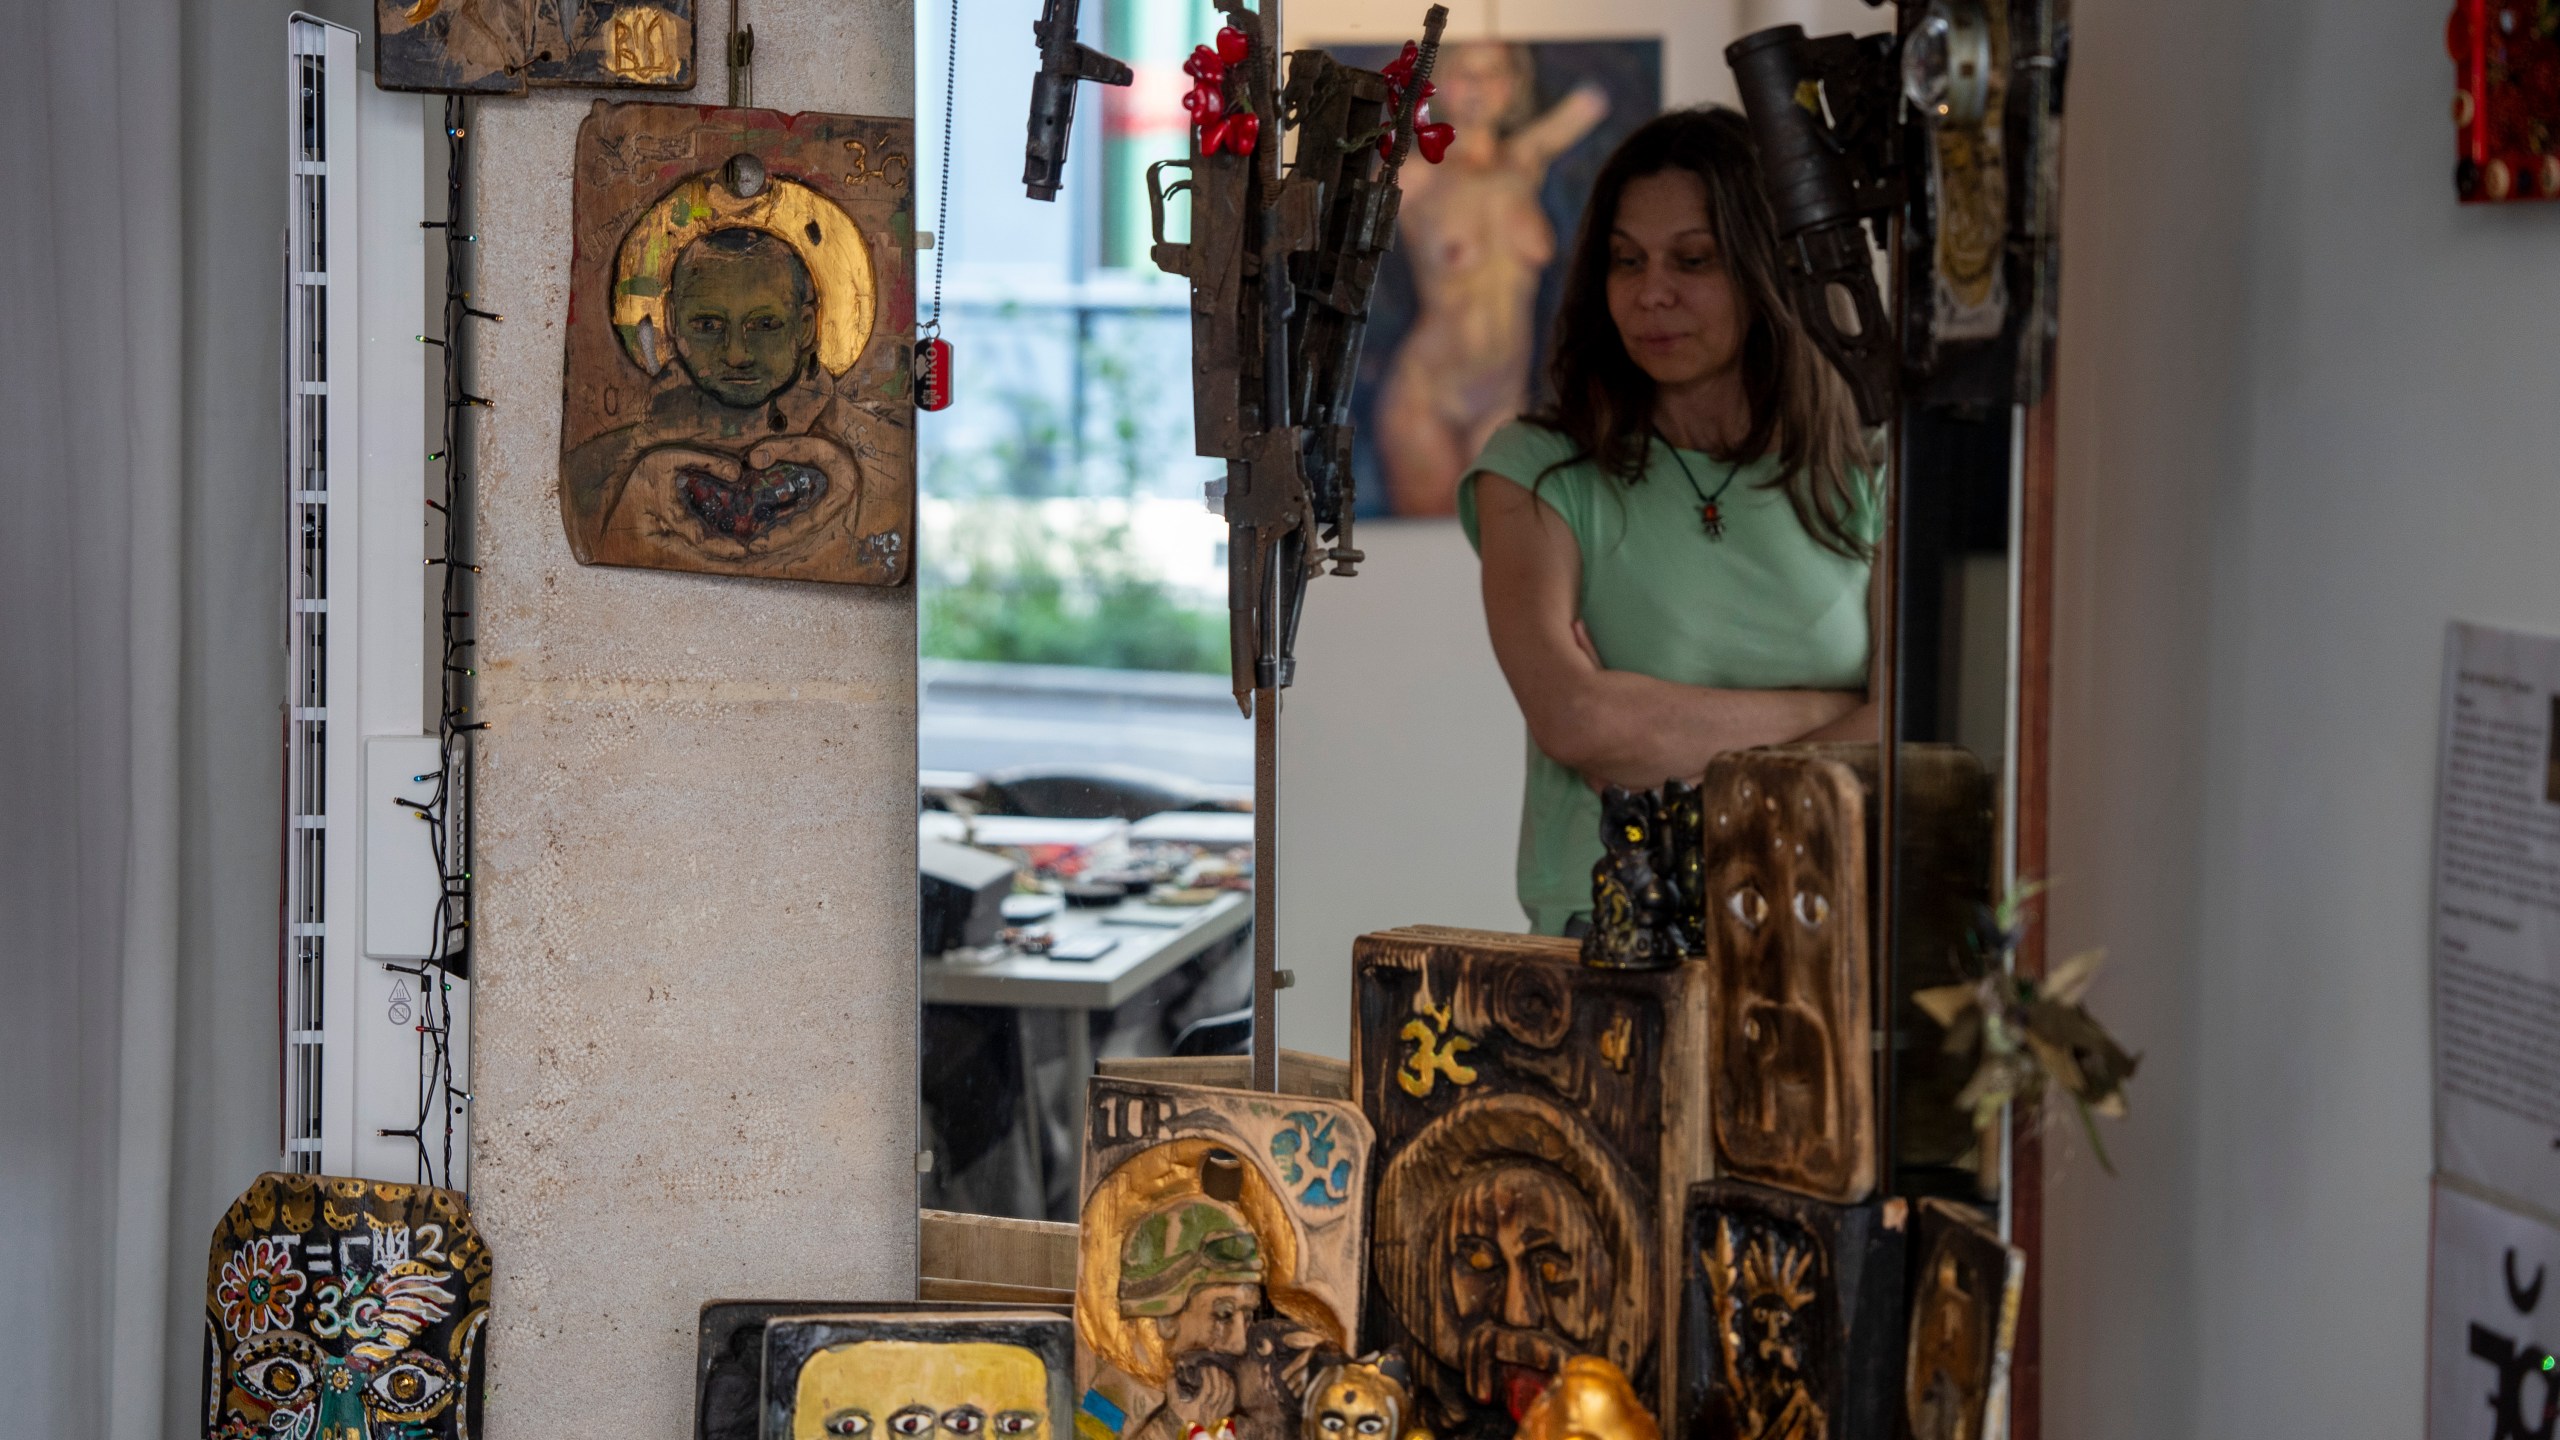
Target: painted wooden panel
343 1306
737 399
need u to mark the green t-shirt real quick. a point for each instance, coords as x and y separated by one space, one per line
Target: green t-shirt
1767 607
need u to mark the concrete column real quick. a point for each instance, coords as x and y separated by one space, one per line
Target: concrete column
694 1027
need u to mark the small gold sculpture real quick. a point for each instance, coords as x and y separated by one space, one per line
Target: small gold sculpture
1363 1399
1589 1399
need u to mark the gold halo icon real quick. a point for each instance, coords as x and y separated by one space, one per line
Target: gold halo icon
1143 1182
815 227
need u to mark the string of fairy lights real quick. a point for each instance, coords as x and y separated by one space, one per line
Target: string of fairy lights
446 808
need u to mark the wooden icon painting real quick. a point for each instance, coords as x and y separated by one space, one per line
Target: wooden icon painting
498 47
1538 1123
897 1373
1222 1236
1788 902
1789 1320
336 1306
465 47
627 44
741 300
1964 1319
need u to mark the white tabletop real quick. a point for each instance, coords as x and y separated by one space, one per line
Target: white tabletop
1153 940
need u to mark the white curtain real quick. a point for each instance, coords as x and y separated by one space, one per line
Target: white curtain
139 678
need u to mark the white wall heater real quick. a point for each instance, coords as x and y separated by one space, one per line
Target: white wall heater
363 1082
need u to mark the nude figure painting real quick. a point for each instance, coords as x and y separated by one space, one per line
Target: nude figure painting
1457 332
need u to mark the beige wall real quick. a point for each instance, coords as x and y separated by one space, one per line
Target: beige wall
694 1023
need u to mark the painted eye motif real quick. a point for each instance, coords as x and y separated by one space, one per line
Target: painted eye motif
1017 1422
278 1377
1748 906
967 1420
1811 909
848 1422
410 1388
914 1420
1332 1422
1372 1424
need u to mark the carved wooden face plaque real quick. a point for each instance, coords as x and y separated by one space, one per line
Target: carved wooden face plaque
1220 1246
1963 1316
1524 1131
898 1374
1787 906
738 396
1788 1314
337 1306
498 47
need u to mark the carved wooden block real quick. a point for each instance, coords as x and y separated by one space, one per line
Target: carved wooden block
1790 1324
1790 866
1964 1319
890 1374
341 1306
1220 1249
1539 1122
737 398
469 47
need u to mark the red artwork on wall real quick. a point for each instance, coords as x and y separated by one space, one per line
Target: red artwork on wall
2506 98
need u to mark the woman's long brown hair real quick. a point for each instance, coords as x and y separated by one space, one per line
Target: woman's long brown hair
1603 402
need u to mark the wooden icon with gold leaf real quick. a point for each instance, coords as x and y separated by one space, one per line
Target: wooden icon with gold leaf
737 396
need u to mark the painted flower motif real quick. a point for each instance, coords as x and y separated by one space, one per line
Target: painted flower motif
258 1286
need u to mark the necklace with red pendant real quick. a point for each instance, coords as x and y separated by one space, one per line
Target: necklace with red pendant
1710 511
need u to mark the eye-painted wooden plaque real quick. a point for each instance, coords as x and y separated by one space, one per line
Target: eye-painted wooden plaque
894 1373
729 1353
1964 1321
742 301
1539 1122
1219 1257
1792 921
336 1306
1791 915
626 44
466 47
1790 1319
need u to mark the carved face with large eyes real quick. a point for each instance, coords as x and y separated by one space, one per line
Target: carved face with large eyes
922 1390
1785 865
1529 1277
1354 1401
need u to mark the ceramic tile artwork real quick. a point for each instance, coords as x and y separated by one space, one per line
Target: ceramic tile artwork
1220 1253
737 398
337 1306
897 1374
1534 1145
1790 1314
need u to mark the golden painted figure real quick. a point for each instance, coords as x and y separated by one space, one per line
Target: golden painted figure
922 1390
1366 1399
1590 1400
1478 240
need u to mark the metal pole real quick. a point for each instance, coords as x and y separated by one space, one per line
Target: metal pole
1266 889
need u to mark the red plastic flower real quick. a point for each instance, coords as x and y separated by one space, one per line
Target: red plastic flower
1233 44
258 1287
